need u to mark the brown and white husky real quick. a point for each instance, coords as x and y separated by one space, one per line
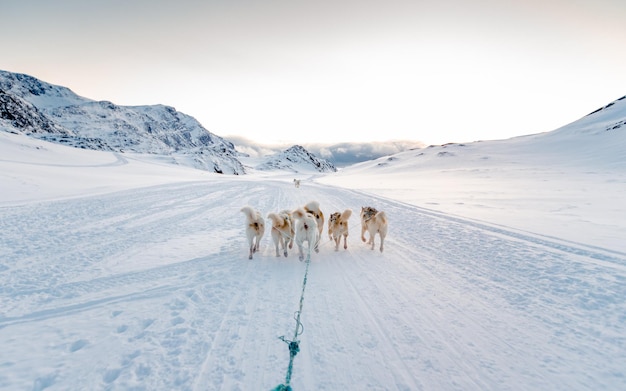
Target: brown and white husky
374 222
282 230
338 227
313 207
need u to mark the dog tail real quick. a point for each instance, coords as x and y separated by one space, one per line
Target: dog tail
382 216
276 219
312 206
299 213
346 214
249 212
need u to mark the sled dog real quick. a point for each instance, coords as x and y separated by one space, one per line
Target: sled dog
296 182
282 230
338 227
313 207
306 231
374 222
255 228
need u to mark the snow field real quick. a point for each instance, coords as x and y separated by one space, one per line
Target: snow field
151 288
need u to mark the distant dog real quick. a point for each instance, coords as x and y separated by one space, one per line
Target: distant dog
306 231
255 228
313 207
374 222
296 182
338 227
282 230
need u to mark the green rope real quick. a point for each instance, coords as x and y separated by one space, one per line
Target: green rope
294 345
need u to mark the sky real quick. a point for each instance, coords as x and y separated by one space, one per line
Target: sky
279 72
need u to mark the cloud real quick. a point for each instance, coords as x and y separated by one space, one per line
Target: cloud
340 154
344 154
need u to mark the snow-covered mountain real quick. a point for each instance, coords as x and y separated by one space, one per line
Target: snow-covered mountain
296 159
55 113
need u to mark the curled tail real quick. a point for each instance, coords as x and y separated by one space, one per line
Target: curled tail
249 212
299 213
276 219
382 216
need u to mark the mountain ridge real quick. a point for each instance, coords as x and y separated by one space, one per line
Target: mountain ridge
56 114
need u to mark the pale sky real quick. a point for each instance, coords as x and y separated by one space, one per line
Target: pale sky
294 71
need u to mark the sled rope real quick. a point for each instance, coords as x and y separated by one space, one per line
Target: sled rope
294 345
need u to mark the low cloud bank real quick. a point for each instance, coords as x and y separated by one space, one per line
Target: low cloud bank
340 154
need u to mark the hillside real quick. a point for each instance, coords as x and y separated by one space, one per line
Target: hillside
517 182
55 113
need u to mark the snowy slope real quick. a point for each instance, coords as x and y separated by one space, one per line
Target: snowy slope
56 114
122 271
567 183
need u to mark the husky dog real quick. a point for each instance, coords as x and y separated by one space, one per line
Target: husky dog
255 228
374 222
338 227
306 231
282 230
313 207
296 182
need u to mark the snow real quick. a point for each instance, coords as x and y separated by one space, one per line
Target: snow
504 269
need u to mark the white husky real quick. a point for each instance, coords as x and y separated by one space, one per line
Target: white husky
282 230
374 222
255 228
338 227
296 182
306 231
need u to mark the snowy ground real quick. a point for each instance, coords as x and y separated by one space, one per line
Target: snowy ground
118 272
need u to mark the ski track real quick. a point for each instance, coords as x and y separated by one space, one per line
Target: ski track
452 303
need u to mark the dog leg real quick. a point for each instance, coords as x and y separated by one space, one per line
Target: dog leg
283 243
363 228
345 242
300 252
256 244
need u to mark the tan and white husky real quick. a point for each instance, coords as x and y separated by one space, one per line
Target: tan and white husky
374 222
282 230
255 228
306 231
338 227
